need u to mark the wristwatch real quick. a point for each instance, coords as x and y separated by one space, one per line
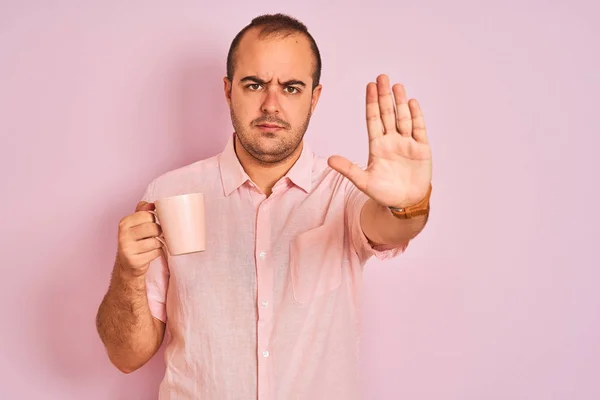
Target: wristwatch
421 208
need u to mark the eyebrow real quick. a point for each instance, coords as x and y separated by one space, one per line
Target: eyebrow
256 79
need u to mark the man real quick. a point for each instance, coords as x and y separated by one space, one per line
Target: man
271 309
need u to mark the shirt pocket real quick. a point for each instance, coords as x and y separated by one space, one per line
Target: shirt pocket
316 262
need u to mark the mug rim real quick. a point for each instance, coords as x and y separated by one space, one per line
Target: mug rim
179 196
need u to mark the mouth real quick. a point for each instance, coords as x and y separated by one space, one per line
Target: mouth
270 126
270 129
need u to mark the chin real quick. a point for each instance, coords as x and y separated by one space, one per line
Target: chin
271 152
268 147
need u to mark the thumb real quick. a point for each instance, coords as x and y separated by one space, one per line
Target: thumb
144 206
349 170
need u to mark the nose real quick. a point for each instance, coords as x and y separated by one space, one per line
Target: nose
270 103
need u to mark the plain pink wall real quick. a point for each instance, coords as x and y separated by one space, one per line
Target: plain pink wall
497 299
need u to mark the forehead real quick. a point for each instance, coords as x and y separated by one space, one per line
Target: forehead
274 56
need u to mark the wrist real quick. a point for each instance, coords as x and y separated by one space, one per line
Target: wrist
127 278
413 210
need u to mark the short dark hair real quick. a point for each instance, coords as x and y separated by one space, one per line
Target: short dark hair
275 25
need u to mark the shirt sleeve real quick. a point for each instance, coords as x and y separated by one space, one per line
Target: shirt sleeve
157 277
365 250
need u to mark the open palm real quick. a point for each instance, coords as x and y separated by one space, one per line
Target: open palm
398 172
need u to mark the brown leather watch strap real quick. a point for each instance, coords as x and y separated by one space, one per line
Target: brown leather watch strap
421 208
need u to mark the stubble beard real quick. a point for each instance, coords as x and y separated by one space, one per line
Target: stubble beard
285 146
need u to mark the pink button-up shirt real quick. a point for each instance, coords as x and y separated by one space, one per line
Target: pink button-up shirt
271 309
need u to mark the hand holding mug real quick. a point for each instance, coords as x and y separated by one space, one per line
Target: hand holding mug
138 240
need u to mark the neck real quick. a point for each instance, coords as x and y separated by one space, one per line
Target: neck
265 175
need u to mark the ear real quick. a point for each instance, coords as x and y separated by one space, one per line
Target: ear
227 88
316 94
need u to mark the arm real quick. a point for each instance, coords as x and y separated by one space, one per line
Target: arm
382 228
128 330
399 169
124 321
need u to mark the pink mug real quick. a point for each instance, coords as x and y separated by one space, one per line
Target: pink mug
182 220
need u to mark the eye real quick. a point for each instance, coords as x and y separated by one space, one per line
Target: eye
253 86
292 90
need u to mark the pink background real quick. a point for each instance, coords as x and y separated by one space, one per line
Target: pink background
497 299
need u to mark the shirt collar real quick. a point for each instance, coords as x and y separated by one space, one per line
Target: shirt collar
233 175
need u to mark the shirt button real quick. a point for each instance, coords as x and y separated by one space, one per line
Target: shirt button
265 354
262 255
265 303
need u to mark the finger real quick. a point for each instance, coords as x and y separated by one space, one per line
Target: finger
374 125
386 104
146 245
403 115
418 122
349 170
146 258
144 206
144 231
137 218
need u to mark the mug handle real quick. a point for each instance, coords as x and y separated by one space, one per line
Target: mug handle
159 238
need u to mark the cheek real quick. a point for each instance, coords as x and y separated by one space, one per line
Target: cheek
301 109
241 111
244 107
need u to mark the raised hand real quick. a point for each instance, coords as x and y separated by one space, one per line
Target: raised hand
398 172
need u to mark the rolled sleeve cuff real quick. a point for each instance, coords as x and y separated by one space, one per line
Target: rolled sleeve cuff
361 243
157 309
